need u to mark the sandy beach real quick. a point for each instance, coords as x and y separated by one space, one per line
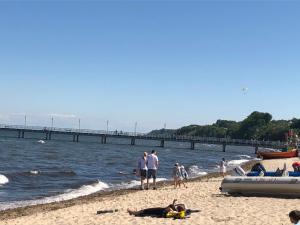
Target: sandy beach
202 194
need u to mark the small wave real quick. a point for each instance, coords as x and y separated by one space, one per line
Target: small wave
3 179
244 156
82 191
133 183
69 194
34 172
195 171
237 162
41 141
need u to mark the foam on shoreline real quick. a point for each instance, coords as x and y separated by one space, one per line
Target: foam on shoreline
74 193
99 186
94 197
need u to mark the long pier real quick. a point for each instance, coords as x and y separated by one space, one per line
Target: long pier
48 133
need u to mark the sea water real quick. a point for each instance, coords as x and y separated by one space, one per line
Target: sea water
34 171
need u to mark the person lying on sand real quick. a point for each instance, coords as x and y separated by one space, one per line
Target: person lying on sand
177 211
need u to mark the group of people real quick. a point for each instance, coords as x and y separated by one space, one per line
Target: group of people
147 168
148 165
258 167
179 175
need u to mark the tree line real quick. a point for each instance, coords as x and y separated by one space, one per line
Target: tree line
257 126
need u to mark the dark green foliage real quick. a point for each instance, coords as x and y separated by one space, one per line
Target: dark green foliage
254 126
276 130
295 123
257 125
162 131
203 131
230 128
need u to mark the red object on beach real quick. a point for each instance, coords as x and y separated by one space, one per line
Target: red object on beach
296 164
278 155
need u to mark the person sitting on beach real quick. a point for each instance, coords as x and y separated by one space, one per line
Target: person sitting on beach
177 211
295 217
296 166
258 167
142 169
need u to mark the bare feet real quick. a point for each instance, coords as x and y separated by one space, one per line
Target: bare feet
133 212
130 211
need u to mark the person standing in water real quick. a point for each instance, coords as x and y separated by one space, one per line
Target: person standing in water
142 168
223 167
152 164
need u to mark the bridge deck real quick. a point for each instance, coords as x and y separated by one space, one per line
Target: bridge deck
131 135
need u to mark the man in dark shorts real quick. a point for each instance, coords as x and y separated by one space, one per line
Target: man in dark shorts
142 169
152 164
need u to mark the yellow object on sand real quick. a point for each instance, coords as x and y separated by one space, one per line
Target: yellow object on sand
176 215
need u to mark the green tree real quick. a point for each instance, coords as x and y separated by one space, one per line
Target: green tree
254 126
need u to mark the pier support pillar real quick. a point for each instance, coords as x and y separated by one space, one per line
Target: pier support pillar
256 149
132 141
103 139
74 137
23 134
224 147
19 134
162 143
192 145
77 137
46 136
49 135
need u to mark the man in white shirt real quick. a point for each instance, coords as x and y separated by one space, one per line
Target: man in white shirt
152 164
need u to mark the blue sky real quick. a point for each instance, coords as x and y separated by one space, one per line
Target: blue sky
177 63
